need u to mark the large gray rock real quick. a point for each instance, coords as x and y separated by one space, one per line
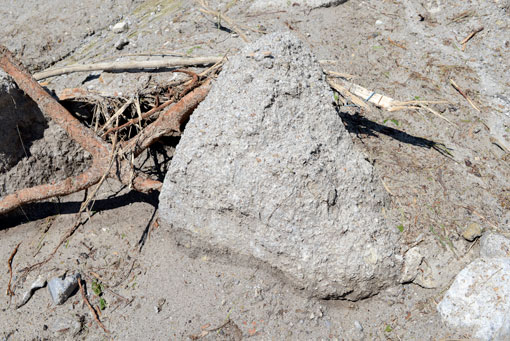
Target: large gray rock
479 299
33 149
266 169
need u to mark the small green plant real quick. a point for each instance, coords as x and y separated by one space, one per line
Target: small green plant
400 228
97 288
102 303
191 49
388 328
392 120
335 96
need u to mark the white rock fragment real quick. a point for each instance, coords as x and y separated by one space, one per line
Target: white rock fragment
479 300
120 27
412 261
38 283
493 245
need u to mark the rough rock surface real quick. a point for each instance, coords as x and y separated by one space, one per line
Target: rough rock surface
33 149
493 245
17 114
479 299
266 169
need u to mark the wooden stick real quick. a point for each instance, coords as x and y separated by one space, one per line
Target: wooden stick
92 310
129 65
339 74
456 87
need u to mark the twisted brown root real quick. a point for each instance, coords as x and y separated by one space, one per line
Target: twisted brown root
101 151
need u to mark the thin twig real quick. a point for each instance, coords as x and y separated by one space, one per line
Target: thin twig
156 109
9 264
468 38
456 87
92 310
392 42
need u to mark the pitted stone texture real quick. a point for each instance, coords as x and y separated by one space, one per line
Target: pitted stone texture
479 299
266 169
33 149
17 114
493 245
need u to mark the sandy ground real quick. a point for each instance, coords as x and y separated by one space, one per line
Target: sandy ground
156 288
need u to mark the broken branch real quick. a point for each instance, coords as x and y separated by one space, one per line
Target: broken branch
130 65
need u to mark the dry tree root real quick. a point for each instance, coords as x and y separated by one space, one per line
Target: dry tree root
102 166
9 265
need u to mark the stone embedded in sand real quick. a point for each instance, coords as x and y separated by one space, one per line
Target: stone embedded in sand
494 245
266 169
61 288
479 299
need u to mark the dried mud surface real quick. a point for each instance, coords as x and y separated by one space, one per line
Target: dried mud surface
155 288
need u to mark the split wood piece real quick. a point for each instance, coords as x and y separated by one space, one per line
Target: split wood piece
346 93
222 17
456 87
92 310
100 150
130 65
360 96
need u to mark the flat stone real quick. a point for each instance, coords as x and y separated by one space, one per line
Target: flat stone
266 169
479 300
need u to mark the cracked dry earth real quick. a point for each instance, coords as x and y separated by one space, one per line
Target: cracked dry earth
156 289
